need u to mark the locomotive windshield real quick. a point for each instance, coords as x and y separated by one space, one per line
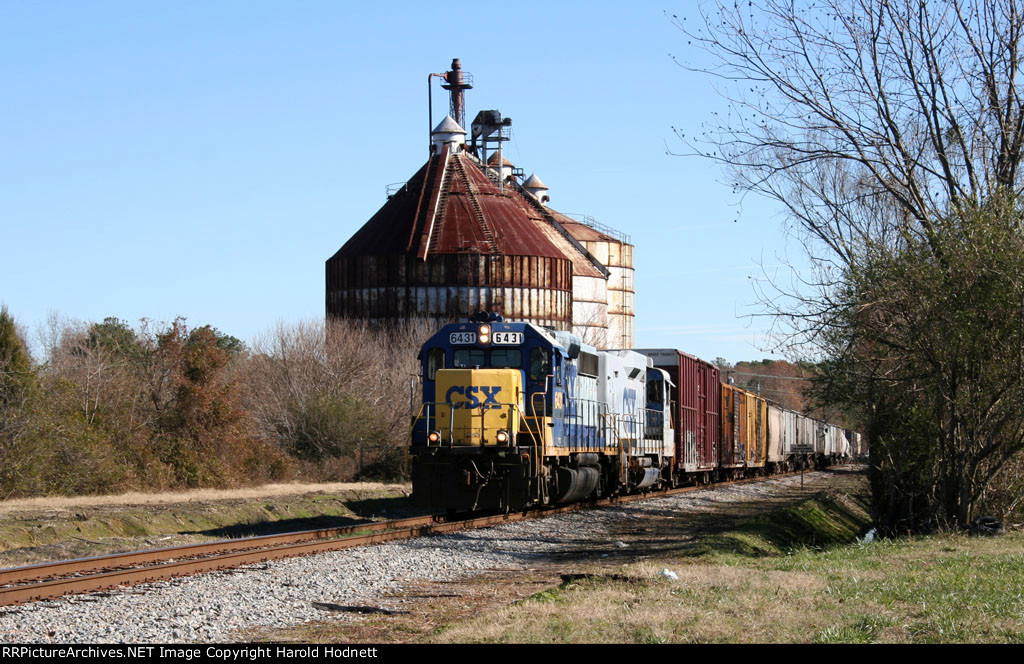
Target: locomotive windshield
467 358
506 358
499 358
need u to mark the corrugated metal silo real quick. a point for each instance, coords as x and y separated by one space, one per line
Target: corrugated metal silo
447 244
460 237
615 252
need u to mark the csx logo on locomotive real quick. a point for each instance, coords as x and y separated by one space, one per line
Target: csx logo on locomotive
473 394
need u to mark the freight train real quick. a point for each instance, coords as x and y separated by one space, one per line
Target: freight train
515 415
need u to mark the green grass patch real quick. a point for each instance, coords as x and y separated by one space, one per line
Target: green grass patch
820 522
971 592
860 629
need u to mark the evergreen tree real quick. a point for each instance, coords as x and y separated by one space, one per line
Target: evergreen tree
15 364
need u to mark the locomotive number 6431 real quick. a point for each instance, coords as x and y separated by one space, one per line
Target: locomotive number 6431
508 338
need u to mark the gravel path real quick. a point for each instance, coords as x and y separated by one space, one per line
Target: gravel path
215 607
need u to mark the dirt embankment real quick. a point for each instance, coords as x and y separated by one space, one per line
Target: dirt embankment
44 529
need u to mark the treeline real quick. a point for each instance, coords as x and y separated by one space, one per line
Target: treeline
110 407
789 384
783 382
805 387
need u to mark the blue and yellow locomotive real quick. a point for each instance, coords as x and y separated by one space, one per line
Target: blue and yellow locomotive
516 415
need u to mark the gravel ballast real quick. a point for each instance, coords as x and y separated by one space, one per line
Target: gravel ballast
218 607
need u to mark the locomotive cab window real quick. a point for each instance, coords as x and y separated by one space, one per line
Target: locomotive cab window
655 391
506 358
467 358
540 363
435 361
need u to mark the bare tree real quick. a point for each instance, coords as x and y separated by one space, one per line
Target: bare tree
333 391
892 132
853 104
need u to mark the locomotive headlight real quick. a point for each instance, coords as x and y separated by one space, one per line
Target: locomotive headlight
485 330
434 437
502 436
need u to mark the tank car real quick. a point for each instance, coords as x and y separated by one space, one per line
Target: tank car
515 415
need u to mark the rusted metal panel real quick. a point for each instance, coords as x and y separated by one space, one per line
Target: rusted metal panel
476 208
734 427
757 431
582 264
450 206
619 301
443 303
450 269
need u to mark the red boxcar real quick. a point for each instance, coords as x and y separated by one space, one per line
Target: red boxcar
695 397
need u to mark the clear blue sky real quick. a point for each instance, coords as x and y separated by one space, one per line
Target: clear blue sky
204 159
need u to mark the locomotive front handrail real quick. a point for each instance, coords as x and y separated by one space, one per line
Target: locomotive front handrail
538 435
537 418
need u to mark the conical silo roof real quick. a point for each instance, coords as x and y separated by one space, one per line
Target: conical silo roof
450 206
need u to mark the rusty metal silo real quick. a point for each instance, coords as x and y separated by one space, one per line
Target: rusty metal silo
449 243
461 236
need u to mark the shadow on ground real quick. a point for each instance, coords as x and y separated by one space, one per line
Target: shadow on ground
371 509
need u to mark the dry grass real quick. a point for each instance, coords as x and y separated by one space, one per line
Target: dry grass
198 495
769 568
948 589
706 604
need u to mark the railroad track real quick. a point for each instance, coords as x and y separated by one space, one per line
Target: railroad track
86 575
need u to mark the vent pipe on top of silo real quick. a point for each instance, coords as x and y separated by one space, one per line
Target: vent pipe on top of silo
502 166
456 81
